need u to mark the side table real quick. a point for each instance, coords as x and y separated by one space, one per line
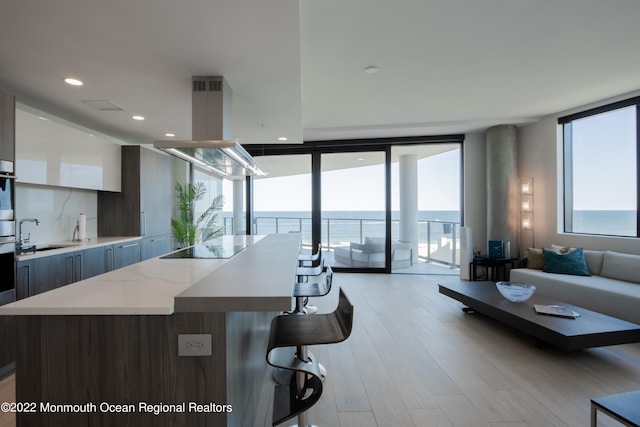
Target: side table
624 407
496 267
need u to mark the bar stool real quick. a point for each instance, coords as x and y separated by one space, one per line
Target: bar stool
287 349
304 260
301 292
303 275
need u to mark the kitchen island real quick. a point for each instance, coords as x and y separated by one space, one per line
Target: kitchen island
105 351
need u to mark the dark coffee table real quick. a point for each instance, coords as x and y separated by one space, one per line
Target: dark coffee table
591 329
624 407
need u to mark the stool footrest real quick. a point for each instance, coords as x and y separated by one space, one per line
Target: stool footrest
311 289
286 403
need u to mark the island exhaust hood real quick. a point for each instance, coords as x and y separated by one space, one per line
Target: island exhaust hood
212 147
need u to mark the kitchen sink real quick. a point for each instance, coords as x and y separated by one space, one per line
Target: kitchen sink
48 248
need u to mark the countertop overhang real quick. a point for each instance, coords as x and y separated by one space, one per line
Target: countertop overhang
260 278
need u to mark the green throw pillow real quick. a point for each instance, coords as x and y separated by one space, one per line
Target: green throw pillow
572 262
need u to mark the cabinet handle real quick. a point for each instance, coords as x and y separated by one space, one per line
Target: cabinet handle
143 220
128 246
158 240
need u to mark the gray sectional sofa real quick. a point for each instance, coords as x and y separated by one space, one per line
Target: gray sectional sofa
613 286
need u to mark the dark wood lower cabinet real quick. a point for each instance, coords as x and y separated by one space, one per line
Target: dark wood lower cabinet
155 246
95 261
51 272
24 278
8 334
37 275
126 253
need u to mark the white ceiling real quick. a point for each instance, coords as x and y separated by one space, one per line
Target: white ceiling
297 68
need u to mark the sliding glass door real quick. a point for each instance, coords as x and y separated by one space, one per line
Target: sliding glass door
377 205
353 224
426 211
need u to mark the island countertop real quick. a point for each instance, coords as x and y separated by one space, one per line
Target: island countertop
259 278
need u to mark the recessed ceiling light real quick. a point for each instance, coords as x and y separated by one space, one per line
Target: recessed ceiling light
282 138
73 82
137 117
371 69
170 134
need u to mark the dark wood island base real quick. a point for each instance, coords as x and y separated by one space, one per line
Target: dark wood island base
125 370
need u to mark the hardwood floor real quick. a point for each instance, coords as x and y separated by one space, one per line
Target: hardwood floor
414 359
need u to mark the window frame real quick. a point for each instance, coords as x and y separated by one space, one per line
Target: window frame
318 148
567 161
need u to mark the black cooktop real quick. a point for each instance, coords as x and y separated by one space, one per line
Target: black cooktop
203 250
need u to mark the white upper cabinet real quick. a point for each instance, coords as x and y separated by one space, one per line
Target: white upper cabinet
50 151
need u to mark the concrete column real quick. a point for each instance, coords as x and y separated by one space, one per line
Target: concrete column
408 171
502 183
239 224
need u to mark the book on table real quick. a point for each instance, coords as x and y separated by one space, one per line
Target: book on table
555 310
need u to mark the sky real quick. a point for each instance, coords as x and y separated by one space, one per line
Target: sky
362 188
605 161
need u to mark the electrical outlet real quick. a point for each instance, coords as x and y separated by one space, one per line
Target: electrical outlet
194 345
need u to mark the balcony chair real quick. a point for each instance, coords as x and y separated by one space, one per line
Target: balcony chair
287 349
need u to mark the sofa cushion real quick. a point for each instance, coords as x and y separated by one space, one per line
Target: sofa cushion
621 266
561 249
602 294
572 262
374 244
594 261
535 259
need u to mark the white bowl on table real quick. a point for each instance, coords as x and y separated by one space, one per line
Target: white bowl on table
516 291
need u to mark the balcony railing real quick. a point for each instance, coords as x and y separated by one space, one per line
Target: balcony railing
438 241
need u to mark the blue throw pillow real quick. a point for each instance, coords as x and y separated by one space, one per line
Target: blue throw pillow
572 262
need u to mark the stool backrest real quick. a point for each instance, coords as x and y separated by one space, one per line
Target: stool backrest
328 279
344 315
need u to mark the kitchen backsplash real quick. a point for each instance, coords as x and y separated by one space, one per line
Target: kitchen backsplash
57 209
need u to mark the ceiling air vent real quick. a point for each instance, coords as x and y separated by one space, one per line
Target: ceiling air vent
208 84
102 105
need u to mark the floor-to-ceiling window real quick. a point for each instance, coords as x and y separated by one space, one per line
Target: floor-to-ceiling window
426 209
346 191
601 150
282 199
353 209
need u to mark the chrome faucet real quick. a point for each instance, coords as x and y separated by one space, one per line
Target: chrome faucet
22 246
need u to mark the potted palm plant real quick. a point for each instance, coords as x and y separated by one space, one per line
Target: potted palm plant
187 228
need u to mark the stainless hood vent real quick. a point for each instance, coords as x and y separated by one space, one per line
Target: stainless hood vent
212 147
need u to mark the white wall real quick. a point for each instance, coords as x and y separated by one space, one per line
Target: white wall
57 209
541 158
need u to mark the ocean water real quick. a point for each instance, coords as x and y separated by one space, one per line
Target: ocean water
614 223
341 227
354 226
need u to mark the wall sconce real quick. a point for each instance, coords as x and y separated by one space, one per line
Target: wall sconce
525 187
526 203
